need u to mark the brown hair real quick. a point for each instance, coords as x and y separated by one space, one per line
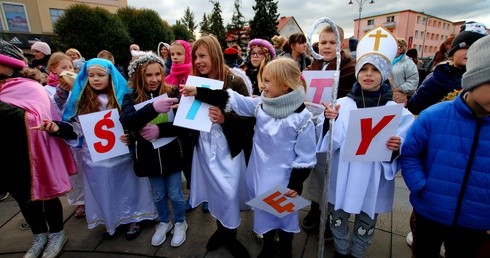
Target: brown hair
403 44
106 55
89 102
56 58
441 54
297 37
278 41
219 70
329 29
138 82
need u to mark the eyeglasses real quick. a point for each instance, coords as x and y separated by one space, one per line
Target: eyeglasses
257 54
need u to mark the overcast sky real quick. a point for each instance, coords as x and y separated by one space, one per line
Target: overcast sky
306 12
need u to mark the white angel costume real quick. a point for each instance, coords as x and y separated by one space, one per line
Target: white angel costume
360 186
283 140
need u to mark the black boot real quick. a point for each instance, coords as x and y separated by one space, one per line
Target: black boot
312 219
217 239
233 245
286 244
268 246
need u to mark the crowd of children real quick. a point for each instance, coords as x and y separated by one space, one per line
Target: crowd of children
262 135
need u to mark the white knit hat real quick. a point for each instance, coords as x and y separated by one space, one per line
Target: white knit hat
42 47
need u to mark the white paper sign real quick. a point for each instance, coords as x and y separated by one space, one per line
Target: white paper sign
368 131
275 203
170 116
319 86
192 113
102 131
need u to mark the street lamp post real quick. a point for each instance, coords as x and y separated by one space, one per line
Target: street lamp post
427 17
360 3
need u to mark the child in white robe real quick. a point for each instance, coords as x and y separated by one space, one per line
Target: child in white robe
283 151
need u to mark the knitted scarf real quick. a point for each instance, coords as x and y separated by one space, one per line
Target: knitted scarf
283 106
178 74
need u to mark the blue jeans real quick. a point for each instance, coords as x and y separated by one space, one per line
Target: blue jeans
362 233
163 188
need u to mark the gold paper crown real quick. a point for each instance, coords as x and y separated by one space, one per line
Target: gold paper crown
377 41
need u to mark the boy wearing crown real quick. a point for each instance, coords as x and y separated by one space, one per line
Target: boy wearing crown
362 188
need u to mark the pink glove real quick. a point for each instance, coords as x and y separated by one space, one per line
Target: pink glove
163 105
150 132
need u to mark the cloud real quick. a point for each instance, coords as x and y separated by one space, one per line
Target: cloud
306 12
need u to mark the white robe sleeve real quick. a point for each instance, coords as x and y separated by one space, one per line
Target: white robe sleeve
242 105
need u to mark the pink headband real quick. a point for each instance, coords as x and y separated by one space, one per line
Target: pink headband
11 62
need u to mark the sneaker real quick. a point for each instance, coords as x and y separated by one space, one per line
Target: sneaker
161 233
409 239
38 245
133 231
442 251
205 207
179 234
56 241
80 212
4 195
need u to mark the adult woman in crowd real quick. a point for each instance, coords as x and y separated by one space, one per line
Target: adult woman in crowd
42 53
404 75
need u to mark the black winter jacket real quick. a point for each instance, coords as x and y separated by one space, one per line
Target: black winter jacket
147 160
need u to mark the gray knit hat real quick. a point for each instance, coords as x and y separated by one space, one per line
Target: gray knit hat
478 64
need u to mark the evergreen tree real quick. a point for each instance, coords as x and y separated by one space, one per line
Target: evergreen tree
188 20
181 31
205 30
216 26
264 23
145 27
103 30
237 24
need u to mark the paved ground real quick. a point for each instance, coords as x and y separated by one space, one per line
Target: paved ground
15 239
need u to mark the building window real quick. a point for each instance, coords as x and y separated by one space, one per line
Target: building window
418 20
56 14
390 19
370 22
16 17
416 34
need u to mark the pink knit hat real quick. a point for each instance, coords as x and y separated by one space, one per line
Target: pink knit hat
42 47
11 55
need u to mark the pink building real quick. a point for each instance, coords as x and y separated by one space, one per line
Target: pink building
410 25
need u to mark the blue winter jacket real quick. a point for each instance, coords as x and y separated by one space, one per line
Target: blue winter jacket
445 79
445 161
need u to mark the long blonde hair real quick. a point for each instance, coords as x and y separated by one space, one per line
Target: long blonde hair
138 82
89 101
219 70
285 72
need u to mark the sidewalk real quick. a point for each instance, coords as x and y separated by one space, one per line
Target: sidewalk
15 239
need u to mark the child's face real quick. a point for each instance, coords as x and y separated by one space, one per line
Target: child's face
98 79
153 77
256 56
72 55
202 60
164 52
270 87
369 77
327 46
481 95
63 65
459 58
177 53
299 47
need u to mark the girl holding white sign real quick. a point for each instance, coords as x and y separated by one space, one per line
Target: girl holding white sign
161 165
113 194
283 123
218 160
363 188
